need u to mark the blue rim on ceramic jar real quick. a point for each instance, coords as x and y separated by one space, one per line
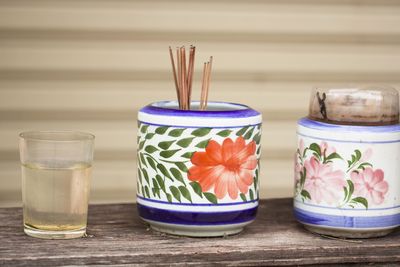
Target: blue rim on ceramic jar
347 171
198 170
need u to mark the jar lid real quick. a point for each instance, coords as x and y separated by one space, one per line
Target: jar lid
374 105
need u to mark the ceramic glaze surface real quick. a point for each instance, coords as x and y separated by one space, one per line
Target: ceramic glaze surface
347 178
198 170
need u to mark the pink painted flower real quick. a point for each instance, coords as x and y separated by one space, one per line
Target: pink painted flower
322 183
326 149
370 184
228 167
297 170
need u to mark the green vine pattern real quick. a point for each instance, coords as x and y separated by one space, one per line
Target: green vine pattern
169 161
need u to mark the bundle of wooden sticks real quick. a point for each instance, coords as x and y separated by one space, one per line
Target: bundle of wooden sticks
183 77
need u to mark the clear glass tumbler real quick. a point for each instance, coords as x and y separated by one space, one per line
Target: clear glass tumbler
56 172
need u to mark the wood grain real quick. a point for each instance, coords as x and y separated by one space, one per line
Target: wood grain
118 237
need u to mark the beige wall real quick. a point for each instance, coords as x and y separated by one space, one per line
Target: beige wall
90 65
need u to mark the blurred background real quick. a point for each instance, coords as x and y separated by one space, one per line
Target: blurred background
89 65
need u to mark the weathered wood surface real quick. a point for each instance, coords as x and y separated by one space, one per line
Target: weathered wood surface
118 237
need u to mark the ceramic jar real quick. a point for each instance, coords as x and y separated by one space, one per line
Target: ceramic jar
198 170
347 177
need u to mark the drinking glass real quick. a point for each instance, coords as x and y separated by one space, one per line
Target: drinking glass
56 173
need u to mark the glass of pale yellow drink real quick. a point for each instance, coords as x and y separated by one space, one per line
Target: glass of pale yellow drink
56 172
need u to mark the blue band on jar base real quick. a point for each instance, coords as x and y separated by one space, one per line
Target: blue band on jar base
196 218
359 222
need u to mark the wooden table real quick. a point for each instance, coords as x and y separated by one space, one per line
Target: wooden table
116 236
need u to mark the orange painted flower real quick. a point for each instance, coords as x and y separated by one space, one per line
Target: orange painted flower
228 167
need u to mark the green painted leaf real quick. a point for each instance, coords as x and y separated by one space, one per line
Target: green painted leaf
251 194
210 197
145 175
358 154
315 147
243 197
142 159
185 142
168 153
203 144
151 163
177 175
363 165
165 144
141 144
158 192
196 188
139 176
303 175
224 133
181 166
353 158
155 183
188 155
156 188
169 197
257 138
242 131
333 155
255 183
305 194
144 128
161 130
361 200
305 152
249 133
164 171
146 189
150 149
200 132
176 132
143 193
346 193
348 163
351 188
160 182
149 136
138 187
259 150
185 193
175 192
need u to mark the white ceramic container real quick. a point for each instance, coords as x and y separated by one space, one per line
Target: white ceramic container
198 170
347 177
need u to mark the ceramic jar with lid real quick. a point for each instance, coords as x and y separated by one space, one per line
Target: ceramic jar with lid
347 165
